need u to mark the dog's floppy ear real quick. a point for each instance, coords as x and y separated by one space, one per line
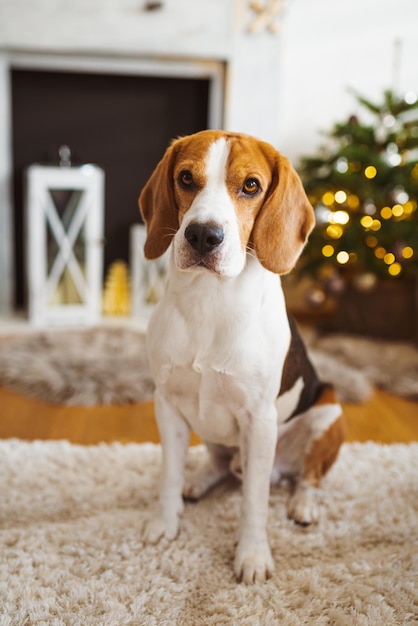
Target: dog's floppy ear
158 207
284 221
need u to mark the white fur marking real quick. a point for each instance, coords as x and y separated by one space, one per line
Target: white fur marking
216 161
319 417
213 204
323 416
296 437
288 401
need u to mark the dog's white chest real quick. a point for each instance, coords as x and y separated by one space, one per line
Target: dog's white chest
207 401
205 377
218 355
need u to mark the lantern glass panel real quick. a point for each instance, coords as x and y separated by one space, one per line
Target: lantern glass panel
69 266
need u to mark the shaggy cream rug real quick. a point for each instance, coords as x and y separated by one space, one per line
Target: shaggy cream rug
108 365
71 553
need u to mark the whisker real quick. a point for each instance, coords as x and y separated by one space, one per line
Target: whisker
169 229
252 254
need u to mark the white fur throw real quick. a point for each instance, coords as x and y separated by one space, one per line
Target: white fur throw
108 365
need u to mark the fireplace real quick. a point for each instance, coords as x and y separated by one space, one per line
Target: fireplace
116 81
122 123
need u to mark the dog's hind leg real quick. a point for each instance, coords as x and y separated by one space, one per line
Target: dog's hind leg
303 505
214 470
307 448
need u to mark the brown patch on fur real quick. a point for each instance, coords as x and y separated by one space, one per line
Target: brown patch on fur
327 396
285 220
158 207
247 159
324 451
276 222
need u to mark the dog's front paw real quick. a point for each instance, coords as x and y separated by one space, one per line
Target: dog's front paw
157 527
253 564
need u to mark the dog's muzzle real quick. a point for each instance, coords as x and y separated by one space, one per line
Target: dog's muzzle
207 245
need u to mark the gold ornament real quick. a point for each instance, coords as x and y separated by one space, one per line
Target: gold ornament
365 282
315 297
117 293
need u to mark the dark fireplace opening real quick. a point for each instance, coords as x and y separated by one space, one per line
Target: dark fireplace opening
123 123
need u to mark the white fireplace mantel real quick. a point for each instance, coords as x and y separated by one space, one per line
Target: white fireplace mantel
222 40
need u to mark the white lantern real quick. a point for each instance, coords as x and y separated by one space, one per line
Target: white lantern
147 277
64 220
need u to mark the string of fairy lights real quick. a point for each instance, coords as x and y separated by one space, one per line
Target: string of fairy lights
365 199
338 218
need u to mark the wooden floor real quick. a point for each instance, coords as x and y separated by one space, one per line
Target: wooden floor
383 418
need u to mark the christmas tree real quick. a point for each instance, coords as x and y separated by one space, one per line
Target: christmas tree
363 185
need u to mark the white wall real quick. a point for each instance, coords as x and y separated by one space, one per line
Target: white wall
330 45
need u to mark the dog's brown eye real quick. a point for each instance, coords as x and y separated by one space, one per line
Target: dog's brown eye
186 178
251 186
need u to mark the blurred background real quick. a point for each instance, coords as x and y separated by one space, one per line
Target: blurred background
111 82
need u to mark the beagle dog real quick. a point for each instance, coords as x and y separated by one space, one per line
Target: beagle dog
227 361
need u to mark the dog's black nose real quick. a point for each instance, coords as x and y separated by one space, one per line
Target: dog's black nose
204 237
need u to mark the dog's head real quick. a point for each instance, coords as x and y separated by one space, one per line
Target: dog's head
221 196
